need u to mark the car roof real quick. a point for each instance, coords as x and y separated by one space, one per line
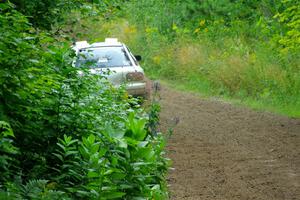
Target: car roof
109 42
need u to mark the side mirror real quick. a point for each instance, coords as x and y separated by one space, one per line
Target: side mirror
138 57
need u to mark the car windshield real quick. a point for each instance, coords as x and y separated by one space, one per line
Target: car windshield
103 57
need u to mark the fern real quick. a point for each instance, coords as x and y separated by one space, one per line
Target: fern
34 190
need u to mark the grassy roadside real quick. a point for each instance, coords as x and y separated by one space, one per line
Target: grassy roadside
260 82
207 92
226 66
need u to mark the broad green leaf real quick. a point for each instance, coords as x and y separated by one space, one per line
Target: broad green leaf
113 195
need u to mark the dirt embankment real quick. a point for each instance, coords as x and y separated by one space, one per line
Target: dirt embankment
221 151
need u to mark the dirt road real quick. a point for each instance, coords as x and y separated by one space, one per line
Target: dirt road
224 152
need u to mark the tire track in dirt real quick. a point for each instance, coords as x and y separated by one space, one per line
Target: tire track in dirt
220 151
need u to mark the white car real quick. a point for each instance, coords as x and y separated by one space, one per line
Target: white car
115 57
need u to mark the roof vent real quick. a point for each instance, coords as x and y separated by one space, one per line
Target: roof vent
111 40
81 44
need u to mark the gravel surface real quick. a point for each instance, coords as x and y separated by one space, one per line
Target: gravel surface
221 151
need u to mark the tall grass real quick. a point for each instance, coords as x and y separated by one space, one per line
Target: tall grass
212 61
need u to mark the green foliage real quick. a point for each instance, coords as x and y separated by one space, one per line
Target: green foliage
290 19
7 150
118 163
74 136
188 13
44 13
153 113
247 50
34 189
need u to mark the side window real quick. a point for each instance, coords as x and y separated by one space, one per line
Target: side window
135 61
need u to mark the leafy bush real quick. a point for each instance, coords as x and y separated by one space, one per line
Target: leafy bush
44 13
117 163
75 136
290 19
47 14
8 150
